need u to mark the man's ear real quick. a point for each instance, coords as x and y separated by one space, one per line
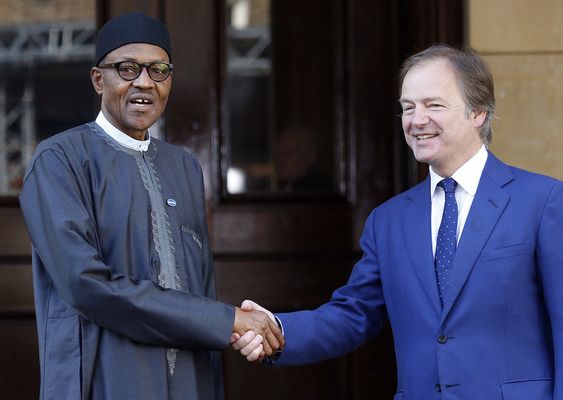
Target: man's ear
478 118
97 79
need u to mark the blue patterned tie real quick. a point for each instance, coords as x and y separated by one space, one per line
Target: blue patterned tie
446 242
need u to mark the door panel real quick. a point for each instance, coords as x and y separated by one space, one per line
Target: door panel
14 241
19 356
281 229
283 284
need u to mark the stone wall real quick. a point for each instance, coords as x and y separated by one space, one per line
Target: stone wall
522 41
30 11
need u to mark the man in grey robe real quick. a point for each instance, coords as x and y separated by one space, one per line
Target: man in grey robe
122 266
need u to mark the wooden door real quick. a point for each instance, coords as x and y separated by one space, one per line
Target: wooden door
290 250
19 356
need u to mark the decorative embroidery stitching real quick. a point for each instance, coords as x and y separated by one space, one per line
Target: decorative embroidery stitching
168 277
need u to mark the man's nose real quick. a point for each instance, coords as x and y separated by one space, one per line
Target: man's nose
143 80
420 117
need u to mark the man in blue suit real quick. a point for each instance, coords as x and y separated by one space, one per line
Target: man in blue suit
470 276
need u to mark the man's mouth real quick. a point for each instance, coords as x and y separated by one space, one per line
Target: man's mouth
141 101
425 136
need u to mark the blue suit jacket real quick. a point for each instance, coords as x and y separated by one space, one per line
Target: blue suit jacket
499 334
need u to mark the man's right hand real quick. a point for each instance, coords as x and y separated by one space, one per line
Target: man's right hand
262 323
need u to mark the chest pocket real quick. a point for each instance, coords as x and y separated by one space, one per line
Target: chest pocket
194 235
192 246
533 389
515 250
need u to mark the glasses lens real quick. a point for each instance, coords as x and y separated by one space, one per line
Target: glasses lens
129 70
158 71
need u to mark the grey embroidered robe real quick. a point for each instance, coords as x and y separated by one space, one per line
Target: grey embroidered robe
122 271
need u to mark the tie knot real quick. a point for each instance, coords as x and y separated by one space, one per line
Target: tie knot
448 184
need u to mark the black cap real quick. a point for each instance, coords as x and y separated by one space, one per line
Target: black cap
134 27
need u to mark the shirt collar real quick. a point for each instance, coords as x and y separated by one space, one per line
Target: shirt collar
467 176
120 137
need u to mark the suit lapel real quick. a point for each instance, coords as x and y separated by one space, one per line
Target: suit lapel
417 230
487 207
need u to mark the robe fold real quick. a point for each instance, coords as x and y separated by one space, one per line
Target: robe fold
122 271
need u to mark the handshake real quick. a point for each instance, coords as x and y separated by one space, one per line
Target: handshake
255 333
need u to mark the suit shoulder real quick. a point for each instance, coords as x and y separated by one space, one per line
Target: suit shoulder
64 138
71 141
508 175
533 182
397 204
407 196
530 176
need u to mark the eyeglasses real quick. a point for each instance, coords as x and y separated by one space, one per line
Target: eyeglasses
130 70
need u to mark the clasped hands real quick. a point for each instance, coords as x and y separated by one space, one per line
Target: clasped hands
255 333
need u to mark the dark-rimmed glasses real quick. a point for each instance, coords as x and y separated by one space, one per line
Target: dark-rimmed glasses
130 70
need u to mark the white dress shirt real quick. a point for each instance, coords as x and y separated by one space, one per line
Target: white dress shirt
121 137
467 177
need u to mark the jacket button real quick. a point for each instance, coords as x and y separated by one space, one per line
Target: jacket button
442 339
438 387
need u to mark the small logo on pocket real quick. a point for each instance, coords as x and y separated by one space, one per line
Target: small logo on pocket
171 202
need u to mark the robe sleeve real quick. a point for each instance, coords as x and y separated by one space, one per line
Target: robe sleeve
64 236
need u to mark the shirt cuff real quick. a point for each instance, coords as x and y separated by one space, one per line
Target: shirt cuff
271 360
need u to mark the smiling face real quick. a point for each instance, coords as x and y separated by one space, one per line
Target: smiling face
436 122
132 106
